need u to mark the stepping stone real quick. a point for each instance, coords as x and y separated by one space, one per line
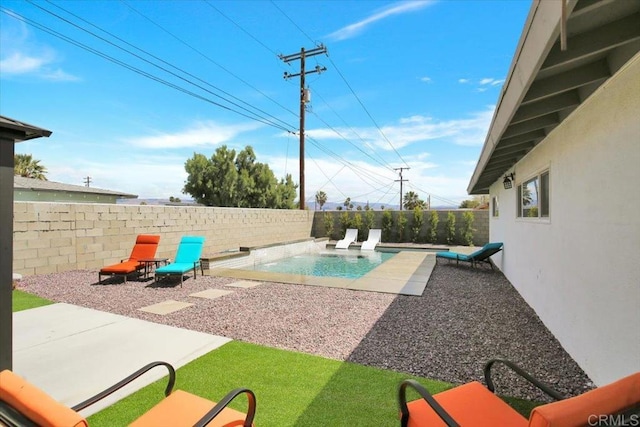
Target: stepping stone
165 307
211 293
244 284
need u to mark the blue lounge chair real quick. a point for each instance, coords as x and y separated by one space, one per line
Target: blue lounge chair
187 259
481 255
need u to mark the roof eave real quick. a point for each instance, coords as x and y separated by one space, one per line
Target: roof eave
541 30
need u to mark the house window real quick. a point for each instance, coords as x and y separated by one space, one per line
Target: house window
495 209
533 197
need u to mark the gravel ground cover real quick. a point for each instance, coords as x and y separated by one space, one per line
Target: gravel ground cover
464 318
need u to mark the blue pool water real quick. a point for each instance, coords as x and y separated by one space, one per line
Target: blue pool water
346 266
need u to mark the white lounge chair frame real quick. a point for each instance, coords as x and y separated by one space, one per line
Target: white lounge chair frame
350 236
374 238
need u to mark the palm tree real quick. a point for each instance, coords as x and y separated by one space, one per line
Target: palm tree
321 198
25 165
411 200
347 203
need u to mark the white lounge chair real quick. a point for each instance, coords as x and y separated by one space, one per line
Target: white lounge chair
349 237
372 240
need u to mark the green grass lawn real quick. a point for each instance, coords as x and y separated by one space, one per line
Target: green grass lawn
25 301
292 389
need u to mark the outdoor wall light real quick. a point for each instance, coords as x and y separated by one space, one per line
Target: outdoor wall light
507 181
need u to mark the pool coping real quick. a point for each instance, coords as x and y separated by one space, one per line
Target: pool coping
407 273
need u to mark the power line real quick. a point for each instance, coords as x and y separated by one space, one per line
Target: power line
130 67
348 85
294 24
381 162
156 65
367 111
242 29
209 59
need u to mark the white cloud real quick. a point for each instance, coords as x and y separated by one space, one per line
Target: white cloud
59 75
426 79
200 134
151 177
463 81
19 63
352 30
20 56
491 81
409 130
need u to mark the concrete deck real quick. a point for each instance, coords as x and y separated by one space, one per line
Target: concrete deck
73 353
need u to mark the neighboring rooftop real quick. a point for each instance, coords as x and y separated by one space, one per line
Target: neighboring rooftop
22 183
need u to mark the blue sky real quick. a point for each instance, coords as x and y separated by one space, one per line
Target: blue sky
408 84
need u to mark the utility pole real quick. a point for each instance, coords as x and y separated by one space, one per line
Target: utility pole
401 181
304 98
87 181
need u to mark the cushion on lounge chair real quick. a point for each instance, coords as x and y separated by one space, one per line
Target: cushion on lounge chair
121 268
190 249
453 255
185 409
467 404
482 255
187 258
145 247
575 412
35 404
487 250
175 268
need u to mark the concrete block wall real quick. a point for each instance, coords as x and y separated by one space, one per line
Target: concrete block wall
57 237
480 225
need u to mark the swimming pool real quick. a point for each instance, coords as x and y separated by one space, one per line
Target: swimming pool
347 266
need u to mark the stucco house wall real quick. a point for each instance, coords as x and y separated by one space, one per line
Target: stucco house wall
579 268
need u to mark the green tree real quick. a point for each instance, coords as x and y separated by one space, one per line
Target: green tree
387 225
450 228
357 222
477 202
467 228
328 224
418 221
469 204
369 218
433 227
347 203
26 166
321 199
345 221
227 180
402 225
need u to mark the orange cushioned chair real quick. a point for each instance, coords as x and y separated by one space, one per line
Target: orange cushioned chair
145 247
473 405
24 405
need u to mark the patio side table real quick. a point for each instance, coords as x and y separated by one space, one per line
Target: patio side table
152 263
